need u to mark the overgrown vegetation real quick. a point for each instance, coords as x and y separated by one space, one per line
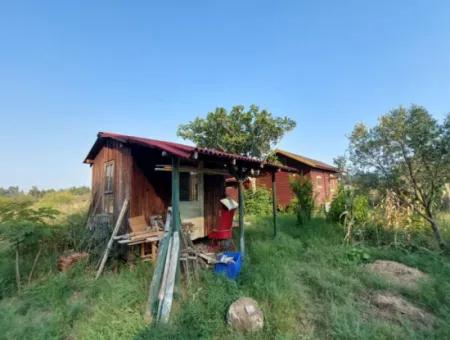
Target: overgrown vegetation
258 201
409 153
307 281
304 197
33 234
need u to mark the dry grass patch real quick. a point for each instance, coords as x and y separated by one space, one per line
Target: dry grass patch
397 273
395 308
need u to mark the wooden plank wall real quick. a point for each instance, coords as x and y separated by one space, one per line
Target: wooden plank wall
284 191
121 155
214 191
151 190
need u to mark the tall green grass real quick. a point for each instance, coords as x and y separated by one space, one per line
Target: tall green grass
309 284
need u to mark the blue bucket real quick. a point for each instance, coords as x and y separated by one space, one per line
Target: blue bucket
231 270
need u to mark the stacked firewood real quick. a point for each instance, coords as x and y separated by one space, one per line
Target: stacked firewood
193 257
66 262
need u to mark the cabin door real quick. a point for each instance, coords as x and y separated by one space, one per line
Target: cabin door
191 202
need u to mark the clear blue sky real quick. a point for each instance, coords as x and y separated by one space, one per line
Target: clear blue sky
71 68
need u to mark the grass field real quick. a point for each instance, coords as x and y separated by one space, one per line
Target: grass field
308 283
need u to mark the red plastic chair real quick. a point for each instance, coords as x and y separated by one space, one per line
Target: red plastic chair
224 231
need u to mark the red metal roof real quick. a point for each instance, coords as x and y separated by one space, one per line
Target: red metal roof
176 149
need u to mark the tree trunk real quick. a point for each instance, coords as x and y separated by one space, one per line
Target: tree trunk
17 269
437 232
34 264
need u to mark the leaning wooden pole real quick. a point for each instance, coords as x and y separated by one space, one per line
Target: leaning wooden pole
241 217
274 204
152 305
176 213
171 278
176 193
111 240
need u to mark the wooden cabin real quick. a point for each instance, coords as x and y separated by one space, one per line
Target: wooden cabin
324 179
140 169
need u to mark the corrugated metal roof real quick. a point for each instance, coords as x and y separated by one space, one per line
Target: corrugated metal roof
176 149
308 161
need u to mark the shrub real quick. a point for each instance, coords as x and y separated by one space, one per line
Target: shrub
360 209
338 206
258 201
350 210
303 190
26 230
291 208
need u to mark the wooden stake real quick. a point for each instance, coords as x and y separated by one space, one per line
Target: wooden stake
173 266
17 269
274 204
162 288
111 240
152 307
241 218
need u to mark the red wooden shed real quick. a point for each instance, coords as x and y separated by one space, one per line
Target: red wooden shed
323 177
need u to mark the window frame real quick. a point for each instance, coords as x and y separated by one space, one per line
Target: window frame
319 181
193 193
108 187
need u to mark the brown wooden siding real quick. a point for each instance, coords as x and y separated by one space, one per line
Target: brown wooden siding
121 155
214 191
151 190
282 181
323 191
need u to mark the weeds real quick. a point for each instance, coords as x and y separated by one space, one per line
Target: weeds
309 284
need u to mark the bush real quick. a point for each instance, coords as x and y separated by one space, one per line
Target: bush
258 202
338 206
28 234
291 208
303 190
360 209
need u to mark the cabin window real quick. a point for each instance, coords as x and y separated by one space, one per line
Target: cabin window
108 189
188 186
319 181
109 177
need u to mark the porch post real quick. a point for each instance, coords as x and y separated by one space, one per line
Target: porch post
241 217
274 204
176 194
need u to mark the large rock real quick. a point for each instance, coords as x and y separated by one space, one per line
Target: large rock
244 315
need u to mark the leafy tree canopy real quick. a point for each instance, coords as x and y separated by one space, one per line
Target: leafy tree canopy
410 152
251 132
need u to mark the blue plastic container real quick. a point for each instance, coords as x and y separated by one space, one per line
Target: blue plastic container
231 270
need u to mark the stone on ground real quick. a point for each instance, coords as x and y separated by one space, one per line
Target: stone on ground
397 273
244 315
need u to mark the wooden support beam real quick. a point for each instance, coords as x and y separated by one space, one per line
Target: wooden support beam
274 204
175 194
168 168
176 213
241 217
152 304
171 277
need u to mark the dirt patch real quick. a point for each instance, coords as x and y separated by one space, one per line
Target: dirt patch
395 308
397 273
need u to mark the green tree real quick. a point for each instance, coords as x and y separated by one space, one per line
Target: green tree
26 229
251 132
35 192
410 152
